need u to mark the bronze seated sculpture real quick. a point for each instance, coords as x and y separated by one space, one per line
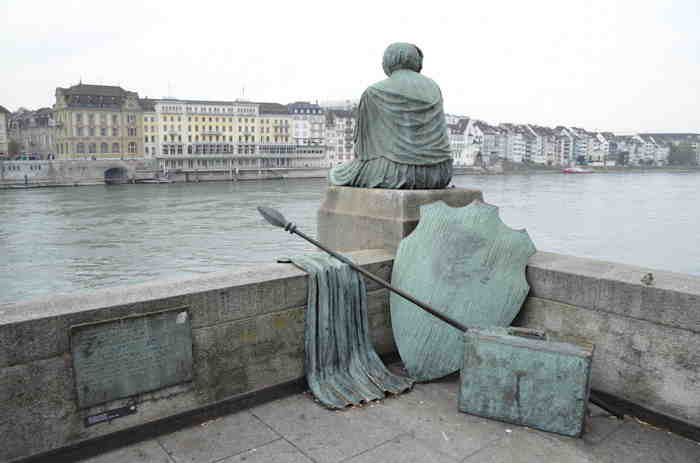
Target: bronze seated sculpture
401 139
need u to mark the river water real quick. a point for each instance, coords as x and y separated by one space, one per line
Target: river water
60 240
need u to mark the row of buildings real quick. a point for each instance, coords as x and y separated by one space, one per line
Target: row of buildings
476 142
104 122
107 122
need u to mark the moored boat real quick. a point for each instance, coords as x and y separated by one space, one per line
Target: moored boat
577 170
155 180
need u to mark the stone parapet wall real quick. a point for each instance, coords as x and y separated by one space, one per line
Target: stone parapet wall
63 173
647 337
247 335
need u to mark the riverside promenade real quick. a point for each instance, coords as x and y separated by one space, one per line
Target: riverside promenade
237 340
420 426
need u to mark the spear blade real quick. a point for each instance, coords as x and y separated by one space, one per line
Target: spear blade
277 219
273 216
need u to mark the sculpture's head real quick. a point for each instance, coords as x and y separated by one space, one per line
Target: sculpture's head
402 55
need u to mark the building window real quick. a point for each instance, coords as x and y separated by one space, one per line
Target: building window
79 118
103 132
91 118
132 147
92 148
91 131
103 148
132 131
79 131
114 119
80 148
115 147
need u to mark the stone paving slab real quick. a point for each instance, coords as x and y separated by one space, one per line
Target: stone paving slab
217 439
524 445
404 449
322 434
279 451
148 451
423 425
429 413
635 442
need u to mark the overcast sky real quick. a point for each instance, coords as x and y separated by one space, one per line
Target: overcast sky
628 65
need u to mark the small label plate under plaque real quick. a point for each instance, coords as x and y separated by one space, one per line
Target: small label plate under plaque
109 415
129 356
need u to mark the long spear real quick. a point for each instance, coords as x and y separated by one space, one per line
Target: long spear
274 217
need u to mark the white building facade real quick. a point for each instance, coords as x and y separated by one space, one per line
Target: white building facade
339 136
4 133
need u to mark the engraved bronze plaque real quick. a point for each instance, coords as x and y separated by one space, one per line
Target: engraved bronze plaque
128 356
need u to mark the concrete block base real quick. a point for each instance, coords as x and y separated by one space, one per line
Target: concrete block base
373 218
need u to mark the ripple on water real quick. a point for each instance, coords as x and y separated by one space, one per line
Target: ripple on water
68 239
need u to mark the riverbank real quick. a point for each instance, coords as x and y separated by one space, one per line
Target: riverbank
43 174
525 169
46 174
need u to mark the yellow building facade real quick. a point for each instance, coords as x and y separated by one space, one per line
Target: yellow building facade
98 122
210 136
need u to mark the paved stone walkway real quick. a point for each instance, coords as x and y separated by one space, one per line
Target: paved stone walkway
421 426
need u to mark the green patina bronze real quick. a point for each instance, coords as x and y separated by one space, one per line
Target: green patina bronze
401 138
465 263
132 355
342 367
531 382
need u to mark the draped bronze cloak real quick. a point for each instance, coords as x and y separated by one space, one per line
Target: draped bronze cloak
401 119
401 138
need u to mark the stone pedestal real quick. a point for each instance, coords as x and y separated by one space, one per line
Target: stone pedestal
371 218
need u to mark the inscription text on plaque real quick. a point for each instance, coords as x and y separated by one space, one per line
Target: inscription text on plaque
129 356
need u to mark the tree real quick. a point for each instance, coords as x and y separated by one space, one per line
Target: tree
682 154
14 148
